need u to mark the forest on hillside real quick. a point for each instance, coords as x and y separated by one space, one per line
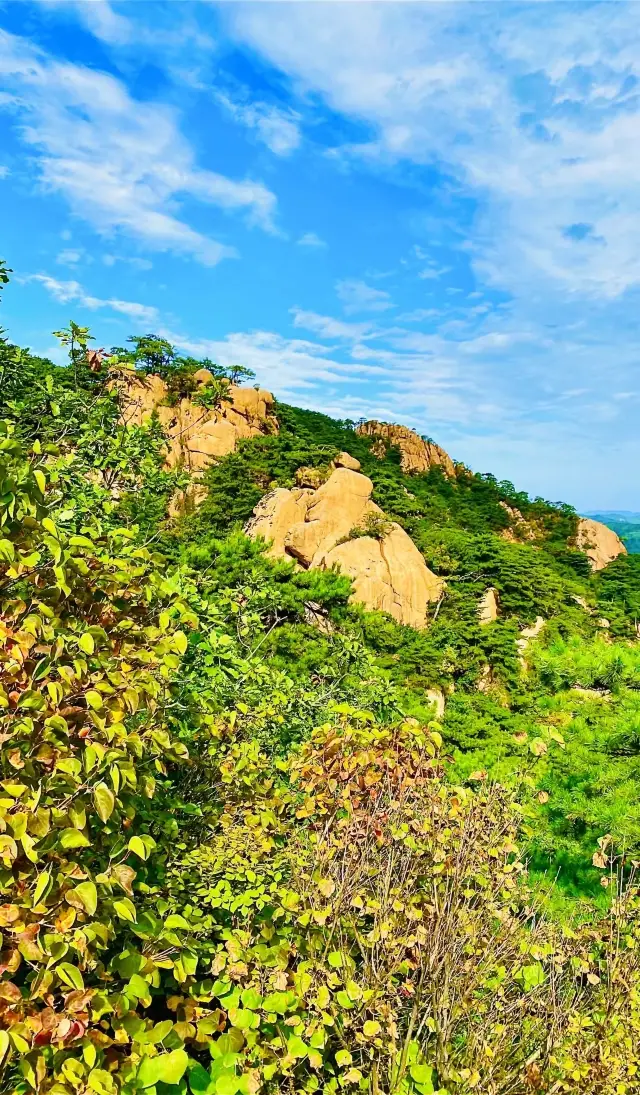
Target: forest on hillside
238 852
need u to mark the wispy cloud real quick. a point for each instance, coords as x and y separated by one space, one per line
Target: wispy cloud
357 296
71 292
310 239
121 163
70 256
544 139
277 128
130 260
99 17
328 327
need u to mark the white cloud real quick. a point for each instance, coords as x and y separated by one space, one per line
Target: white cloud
533 110
100 18
71 292
357 296
278 129
310 239
4 171
327 327
121 163
434 272
135 261
295 369
419 315
70 257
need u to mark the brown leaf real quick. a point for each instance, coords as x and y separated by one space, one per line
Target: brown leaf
124 876
78 999
10 992
8 915
10 961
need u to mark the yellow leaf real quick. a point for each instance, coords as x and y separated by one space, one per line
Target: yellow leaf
41 885
5 1046
104 801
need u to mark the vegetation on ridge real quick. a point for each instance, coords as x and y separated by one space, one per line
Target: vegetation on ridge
237 852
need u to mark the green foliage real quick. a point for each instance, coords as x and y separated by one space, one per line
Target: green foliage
618 592
235 856
155 355
375 525
5 271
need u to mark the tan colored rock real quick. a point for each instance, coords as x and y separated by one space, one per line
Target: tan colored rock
417 455
520 530
488 606
526 636
203 376
188 500
486 679
600 544
275 514
196 435
337 507
388 574
344 460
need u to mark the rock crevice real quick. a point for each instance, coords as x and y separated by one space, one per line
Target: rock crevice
417 455
315 528
196 434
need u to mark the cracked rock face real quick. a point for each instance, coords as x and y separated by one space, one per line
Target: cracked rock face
314 526
197 435
600 544
417 455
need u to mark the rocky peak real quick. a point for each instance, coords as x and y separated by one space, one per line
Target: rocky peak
600 544
196 433
417 455
339 525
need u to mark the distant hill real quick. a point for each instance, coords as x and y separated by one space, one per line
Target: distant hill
626 523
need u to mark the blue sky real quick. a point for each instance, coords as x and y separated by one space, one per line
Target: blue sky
427 213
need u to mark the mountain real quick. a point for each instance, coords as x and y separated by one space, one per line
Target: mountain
319 751
617 514
626 523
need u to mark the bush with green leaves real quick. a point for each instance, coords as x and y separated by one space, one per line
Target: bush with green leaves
235 853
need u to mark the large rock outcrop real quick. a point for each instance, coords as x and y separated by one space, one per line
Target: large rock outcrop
196 434
315 527
417 455
600 544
